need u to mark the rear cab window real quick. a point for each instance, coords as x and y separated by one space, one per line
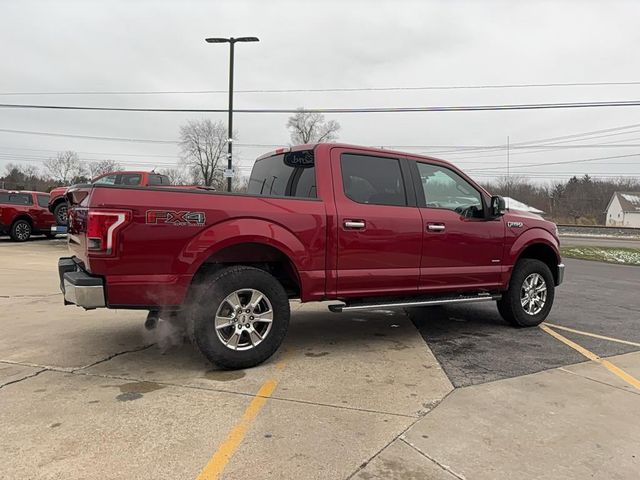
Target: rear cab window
157 179
290 174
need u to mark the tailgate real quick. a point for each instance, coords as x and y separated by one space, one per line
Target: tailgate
78 199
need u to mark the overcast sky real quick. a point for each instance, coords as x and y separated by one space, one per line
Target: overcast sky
81 46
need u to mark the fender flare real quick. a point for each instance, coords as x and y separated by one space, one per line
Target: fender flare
244 230
531 237
23 216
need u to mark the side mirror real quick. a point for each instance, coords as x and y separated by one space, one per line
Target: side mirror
497 206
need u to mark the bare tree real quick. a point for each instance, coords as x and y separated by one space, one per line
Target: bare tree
103 166
177 176
308 127
203 144
65 167
240 183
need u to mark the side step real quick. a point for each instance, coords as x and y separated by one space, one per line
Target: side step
415 302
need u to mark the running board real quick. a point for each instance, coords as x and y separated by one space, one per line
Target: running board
345 307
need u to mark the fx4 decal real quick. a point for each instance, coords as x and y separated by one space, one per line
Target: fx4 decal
170 217
515 224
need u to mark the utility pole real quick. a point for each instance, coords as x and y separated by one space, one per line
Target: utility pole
231 41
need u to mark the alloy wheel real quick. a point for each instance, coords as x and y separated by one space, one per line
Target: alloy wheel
533 294
244 319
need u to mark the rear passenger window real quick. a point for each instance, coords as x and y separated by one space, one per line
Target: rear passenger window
291 174
43 201
375 180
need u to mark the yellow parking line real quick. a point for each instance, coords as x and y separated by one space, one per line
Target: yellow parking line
216 465
594 335
634 382
218 462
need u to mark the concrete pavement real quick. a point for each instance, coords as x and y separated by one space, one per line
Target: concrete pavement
88 394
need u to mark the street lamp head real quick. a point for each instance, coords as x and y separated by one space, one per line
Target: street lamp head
217 40
247 39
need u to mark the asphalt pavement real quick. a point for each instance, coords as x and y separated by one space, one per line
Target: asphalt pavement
474 345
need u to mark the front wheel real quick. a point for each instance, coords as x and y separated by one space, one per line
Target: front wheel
240 317
60 213
529 299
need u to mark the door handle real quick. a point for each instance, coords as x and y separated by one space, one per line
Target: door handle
358 224
435 227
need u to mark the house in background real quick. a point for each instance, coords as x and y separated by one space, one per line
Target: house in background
624 210
523 207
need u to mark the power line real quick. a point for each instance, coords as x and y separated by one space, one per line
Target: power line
119 139
346 89
105 154
566 138
564 162
89 137
461 108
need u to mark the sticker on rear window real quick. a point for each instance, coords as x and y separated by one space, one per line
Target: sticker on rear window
177 218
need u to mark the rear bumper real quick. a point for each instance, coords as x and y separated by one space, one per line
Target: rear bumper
80 288
560 274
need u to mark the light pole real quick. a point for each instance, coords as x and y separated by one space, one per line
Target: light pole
231 41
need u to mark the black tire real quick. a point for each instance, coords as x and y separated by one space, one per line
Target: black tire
20 231
510 305
60 212
210 296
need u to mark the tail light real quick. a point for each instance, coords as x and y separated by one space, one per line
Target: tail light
102 230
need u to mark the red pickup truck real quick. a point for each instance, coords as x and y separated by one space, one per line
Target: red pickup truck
24 213
367 228
58 201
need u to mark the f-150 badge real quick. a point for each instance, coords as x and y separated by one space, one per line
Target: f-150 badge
515 224
170 217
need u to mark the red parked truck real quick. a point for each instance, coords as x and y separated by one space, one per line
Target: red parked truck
58 201
367 228
23 213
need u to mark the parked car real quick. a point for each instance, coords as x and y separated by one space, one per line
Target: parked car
58 202
367 228
24 213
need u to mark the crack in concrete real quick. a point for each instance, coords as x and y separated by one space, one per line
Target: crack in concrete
77 371
55 368
444 467
598 381
112 356
399 437
251 395
35 374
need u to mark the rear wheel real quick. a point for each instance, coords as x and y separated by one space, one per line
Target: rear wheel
529 299
20 231
240 318
60 212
